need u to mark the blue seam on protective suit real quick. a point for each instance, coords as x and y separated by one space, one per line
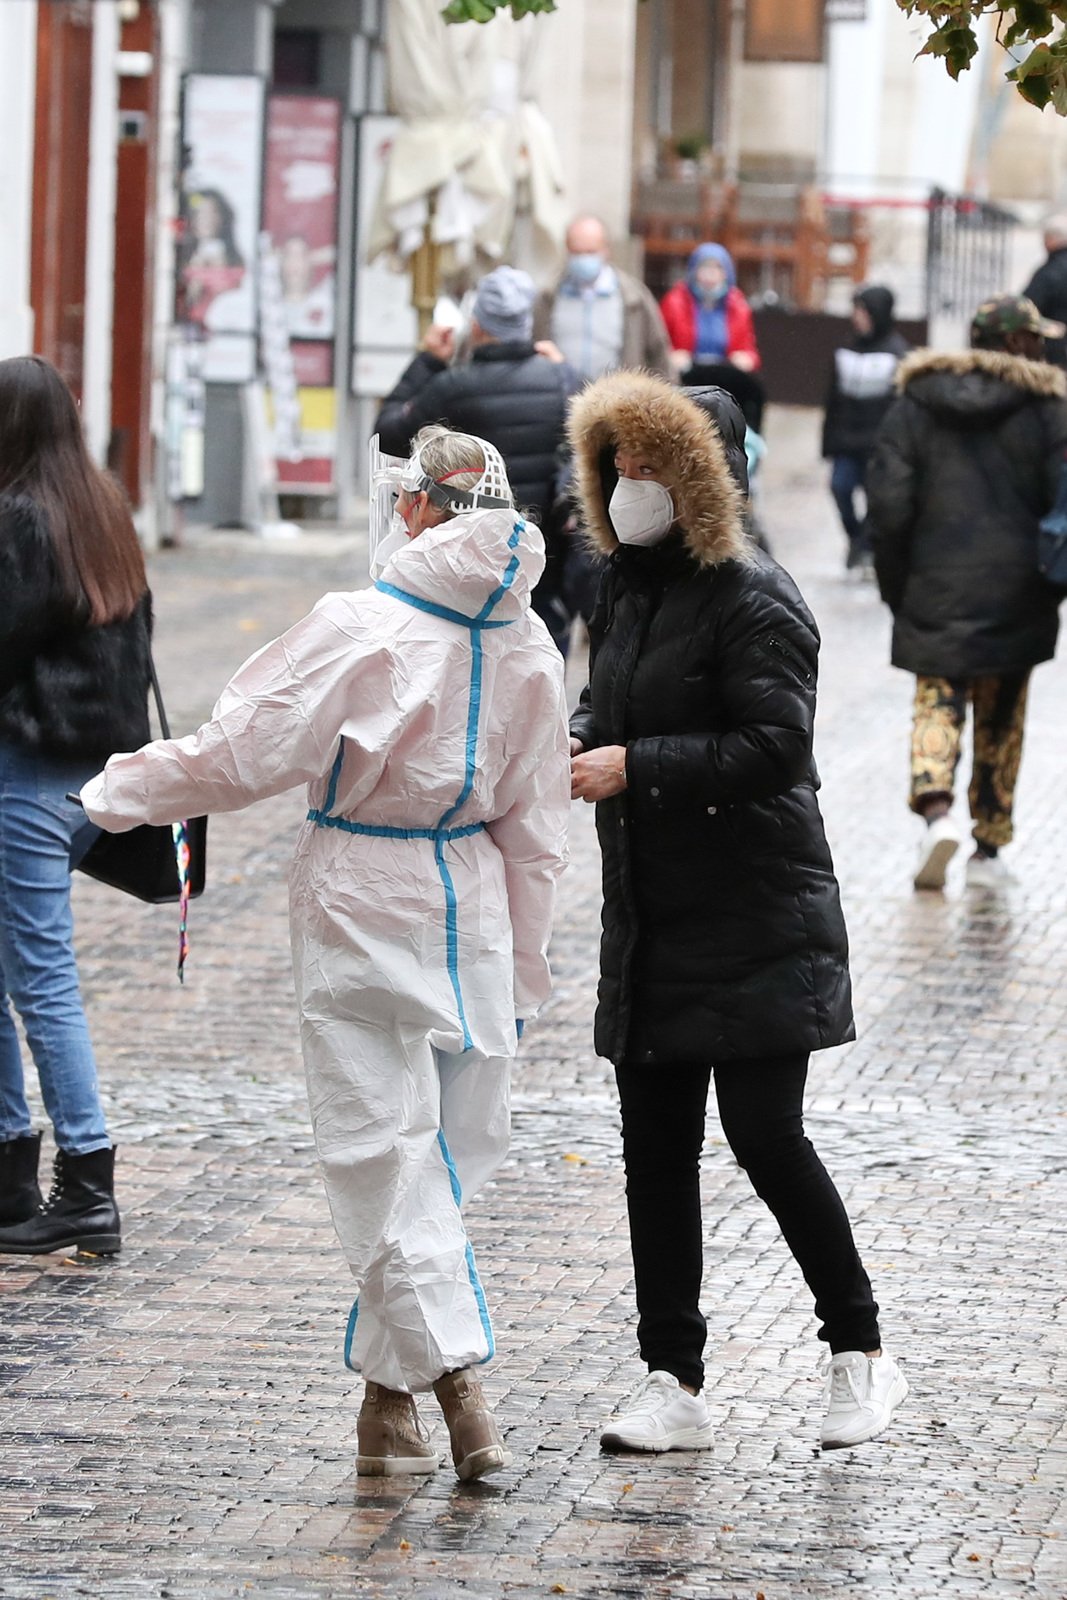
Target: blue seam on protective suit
452 939
374 830
331 792
507 580
434 610
472 1270
350 1334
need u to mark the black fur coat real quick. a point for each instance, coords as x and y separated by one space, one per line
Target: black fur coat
723 937
66 690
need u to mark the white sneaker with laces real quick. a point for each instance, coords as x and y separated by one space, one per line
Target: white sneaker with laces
938 847
862 1392
987 872
659 1415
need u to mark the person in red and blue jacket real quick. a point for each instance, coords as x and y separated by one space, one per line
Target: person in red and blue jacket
711 331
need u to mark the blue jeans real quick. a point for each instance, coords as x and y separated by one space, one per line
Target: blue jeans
42 838
846 477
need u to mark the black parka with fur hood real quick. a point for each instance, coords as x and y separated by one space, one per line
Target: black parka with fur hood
966 466
723 937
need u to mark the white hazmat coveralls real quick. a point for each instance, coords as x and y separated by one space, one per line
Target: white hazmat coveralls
427 715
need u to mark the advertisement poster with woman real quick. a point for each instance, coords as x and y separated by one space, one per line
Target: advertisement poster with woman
222 134
300 219
300 207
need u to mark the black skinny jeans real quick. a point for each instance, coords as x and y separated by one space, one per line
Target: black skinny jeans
761 1108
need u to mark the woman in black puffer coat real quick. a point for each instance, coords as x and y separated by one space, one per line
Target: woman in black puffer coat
75 622
724 950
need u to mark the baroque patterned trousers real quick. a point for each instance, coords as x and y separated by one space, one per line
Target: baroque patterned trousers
999 709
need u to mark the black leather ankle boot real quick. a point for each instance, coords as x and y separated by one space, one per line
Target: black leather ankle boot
20 1195
79 1214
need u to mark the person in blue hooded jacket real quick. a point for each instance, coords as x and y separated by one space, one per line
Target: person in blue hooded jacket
711 330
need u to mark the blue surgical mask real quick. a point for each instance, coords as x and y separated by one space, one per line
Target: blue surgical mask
585 267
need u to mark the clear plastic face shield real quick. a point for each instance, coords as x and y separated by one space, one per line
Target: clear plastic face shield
387 533
389 475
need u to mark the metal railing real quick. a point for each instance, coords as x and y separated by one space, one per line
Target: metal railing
968 245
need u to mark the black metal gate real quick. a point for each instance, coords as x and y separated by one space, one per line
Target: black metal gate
967 253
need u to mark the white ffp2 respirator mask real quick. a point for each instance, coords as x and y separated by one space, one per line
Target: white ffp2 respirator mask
641 511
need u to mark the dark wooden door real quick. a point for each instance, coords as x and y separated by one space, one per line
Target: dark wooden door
61 184
131 339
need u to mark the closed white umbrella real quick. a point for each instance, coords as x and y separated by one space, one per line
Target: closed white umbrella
474 151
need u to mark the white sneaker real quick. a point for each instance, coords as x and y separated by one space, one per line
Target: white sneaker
938 847
862 1392
987 872
659 1415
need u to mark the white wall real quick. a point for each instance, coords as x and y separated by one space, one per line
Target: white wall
588 99
18 66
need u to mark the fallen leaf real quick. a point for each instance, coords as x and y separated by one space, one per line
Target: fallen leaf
404 1545
579 1161
973 1557
557 1588
626 1488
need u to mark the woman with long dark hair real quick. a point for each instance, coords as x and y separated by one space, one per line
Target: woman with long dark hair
75 625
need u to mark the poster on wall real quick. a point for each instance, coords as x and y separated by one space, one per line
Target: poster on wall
385 326
221 190
300 207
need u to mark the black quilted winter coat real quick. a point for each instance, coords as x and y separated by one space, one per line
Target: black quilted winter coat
967 464
507 394
66 690
723 937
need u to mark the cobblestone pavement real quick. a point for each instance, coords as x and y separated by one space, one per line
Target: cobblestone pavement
179 1423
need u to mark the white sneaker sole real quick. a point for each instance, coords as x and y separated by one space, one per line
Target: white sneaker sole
897 1393
395 1466
493 1458
679 1439
931 875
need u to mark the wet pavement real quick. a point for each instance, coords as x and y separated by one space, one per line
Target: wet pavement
178 1422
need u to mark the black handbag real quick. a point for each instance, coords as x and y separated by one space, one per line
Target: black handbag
141 861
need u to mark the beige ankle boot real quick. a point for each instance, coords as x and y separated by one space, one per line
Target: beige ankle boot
477 1447
390 1438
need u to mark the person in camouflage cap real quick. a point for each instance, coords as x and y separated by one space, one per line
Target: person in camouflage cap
966 466
1012 322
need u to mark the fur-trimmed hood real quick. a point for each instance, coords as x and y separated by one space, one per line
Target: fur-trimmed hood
977 386
642 414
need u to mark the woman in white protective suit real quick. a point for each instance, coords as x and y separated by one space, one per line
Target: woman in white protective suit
427 715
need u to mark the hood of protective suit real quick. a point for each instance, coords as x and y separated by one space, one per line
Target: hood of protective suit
476 560
646 416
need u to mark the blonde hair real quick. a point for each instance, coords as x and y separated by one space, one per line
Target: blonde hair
445 454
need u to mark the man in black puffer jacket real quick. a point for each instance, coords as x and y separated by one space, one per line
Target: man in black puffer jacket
860 394
1048 286
966 466
507 393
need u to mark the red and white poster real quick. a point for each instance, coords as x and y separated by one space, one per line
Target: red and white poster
300 207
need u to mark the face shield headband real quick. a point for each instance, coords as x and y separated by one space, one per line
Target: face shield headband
491 492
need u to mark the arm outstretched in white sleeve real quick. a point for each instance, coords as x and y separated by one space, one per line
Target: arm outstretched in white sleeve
276 725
